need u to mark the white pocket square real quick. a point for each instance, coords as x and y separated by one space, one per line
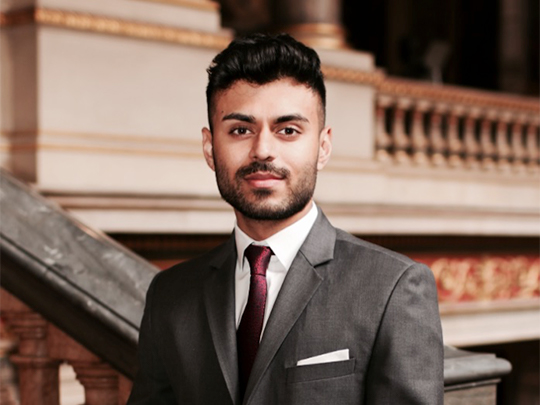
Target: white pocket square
338 355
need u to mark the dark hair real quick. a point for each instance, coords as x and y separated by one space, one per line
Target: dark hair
261 59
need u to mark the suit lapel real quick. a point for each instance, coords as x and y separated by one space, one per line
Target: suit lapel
220 308
301 282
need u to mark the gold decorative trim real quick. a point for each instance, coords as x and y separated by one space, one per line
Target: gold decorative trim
114 26
352 75
457 95
486 278
24 16
198 4
14 135
40 147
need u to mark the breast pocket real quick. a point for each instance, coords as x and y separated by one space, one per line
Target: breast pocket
328 383
320 371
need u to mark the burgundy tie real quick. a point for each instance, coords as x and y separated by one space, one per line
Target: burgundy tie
249 331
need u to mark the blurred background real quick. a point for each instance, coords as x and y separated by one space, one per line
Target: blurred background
435 111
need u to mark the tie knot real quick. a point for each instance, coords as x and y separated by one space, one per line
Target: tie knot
258 258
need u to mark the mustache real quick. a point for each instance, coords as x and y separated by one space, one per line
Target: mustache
266 167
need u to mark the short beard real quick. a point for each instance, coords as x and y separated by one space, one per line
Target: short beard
294 202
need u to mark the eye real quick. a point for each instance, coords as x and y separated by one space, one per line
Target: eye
240 131
289 131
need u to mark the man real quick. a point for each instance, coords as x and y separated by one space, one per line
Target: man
290 310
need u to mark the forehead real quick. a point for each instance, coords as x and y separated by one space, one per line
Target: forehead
280 97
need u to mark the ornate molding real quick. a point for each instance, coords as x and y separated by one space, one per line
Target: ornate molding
198 4
44 140
13 136
35 147
114 26
487 278
457 95
353 75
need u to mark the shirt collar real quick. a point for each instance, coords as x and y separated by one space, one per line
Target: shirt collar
285 244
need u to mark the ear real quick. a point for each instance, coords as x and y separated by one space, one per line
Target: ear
208 149
325 147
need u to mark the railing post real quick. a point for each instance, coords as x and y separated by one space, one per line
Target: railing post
532 146
8 388
436 140
38 373
100 381
455 145
399 135
517 145
502 146
486 143
470 141
383 142
419 139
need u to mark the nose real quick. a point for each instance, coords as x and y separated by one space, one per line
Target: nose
263 147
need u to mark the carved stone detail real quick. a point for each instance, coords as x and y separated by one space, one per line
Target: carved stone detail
38 373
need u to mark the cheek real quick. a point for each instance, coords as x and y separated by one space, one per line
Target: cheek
227 160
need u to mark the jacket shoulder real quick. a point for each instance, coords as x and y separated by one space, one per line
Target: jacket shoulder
367 252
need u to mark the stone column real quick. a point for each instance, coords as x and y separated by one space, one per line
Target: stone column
316 23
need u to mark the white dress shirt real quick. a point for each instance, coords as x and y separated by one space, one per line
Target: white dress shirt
285 245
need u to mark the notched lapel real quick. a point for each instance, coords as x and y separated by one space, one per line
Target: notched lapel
219 301
302 281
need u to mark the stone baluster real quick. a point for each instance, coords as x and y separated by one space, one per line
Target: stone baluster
38 372
436 140
400 139
502 147
517 145
533 153
8 386
101 382
419 140
455 145
470 141
383 142
124 389
486 143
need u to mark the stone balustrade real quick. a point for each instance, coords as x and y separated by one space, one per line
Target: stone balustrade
40 351
444 126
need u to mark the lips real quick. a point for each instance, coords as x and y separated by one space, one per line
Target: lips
263 179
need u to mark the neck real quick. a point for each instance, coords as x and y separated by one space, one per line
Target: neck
262 229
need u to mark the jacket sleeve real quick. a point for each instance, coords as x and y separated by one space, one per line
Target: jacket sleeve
151 385
406 366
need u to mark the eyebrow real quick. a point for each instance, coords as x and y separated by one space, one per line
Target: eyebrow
251 119
239 117
291 117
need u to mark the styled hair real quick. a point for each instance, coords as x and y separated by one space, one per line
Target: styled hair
261 59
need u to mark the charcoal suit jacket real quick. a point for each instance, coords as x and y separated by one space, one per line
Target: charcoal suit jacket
340 293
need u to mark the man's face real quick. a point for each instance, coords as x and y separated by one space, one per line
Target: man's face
266 147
